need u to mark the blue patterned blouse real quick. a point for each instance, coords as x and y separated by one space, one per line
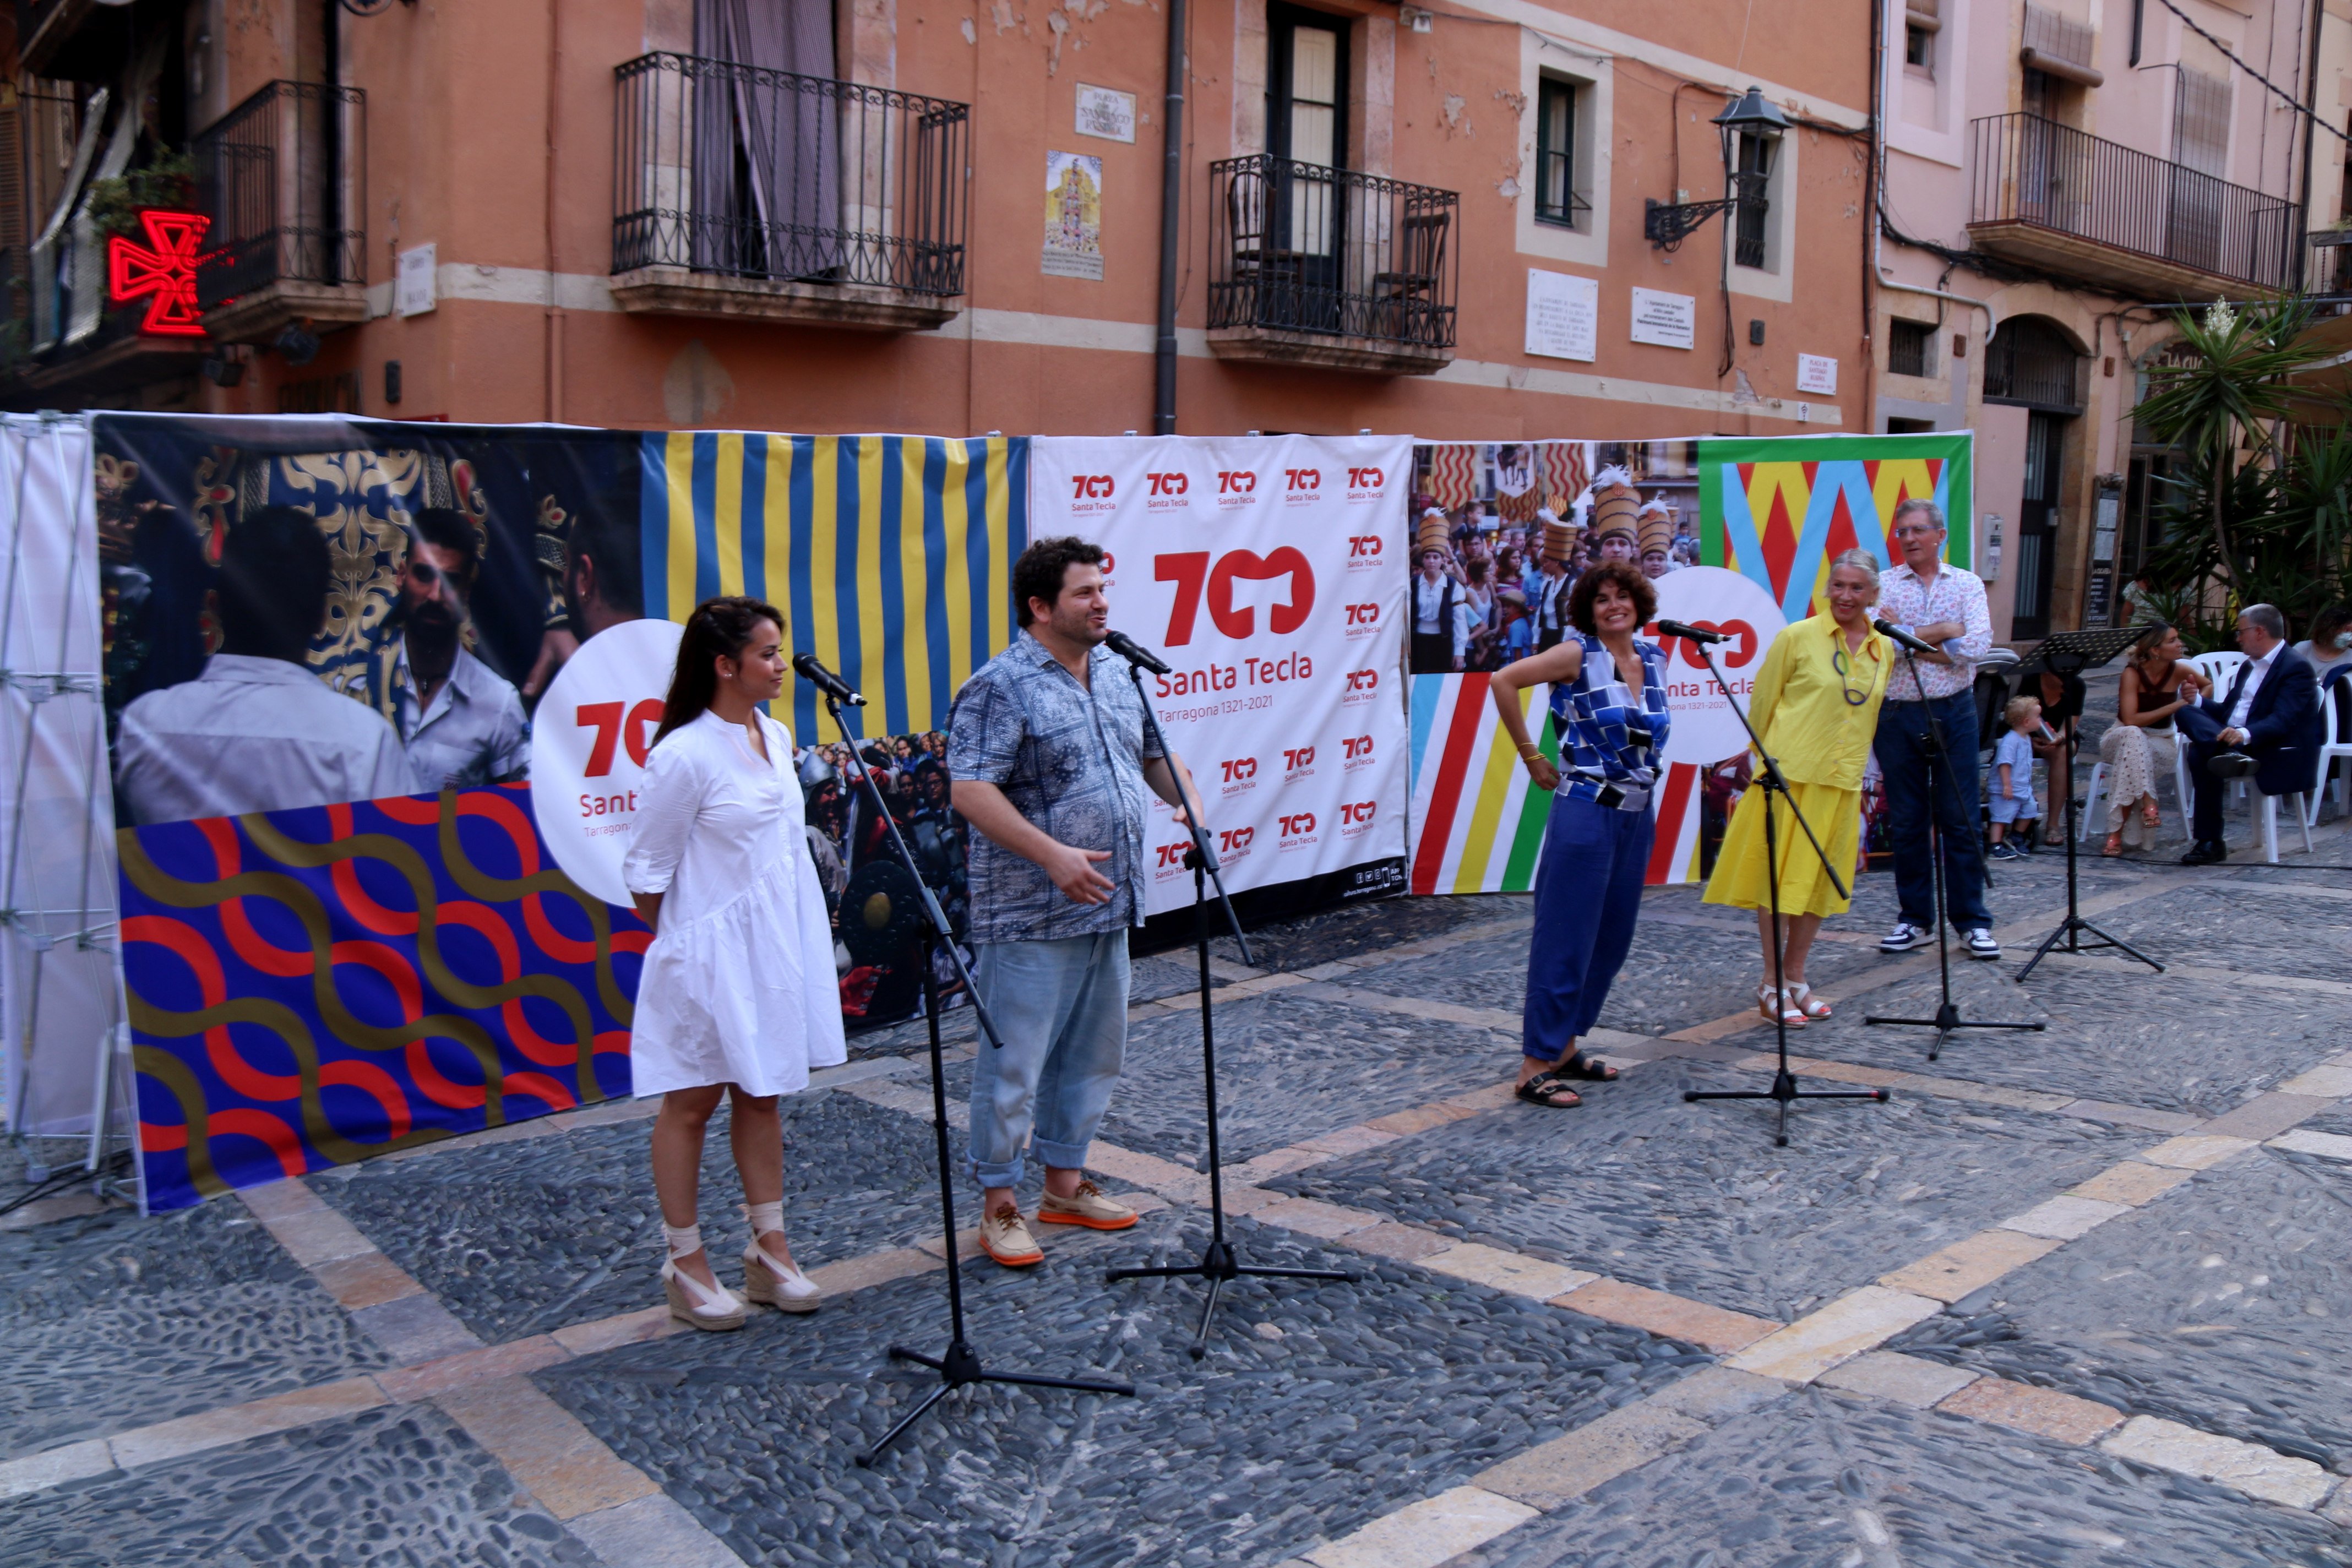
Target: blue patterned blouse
1605 732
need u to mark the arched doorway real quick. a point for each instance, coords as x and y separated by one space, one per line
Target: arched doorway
2032 363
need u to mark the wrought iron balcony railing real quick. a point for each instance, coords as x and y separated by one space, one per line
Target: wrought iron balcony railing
1298 247
283 176
734 170
2035 171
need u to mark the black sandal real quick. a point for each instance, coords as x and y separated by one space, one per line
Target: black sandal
1592 1070
1542 1088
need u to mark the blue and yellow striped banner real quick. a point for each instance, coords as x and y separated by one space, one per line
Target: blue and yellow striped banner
891 555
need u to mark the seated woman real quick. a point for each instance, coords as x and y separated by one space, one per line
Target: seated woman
1816 706
2139 747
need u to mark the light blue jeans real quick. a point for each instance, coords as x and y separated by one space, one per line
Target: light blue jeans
1061 1009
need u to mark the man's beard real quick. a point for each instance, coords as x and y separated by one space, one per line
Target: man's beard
431 634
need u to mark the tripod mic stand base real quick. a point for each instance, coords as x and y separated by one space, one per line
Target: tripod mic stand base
958 1365
1220 1263
1784 1090
1947 1019
2071 931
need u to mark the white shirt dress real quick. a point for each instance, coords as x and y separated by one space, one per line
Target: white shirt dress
738 986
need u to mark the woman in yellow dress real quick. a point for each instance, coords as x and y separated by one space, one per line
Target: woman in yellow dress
1816 705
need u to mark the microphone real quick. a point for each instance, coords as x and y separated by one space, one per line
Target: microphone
1902 639
1689 633
1136 654
824 680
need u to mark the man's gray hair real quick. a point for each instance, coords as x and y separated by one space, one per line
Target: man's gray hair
2267 618
1917 503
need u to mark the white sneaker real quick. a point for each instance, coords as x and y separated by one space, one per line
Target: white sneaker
1981 945
1904 938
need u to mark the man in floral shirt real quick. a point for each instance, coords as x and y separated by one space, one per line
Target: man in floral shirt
1047 753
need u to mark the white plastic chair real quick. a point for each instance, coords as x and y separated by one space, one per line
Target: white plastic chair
2303 810
2331 711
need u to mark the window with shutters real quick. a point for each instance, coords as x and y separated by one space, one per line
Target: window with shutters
1558 201
1910 347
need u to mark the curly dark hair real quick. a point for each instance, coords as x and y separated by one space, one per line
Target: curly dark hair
1626 575
1045 566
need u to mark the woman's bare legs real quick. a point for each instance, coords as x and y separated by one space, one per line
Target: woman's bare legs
677 1165
756 1133
1794 950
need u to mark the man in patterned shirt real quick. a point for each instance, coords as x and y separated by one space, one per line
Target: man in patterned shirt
1046 749
1939 604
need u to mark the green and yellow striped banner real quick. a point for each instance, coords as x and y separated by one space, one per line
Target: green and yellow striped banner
891 555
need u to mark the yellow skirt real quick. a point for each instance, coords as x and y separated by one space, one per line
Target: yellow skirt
1740 879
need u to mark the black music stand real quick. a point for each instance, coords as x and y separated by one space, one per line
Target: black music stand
958 1364
1947 1012
1219 1262
2070 653
1784 1090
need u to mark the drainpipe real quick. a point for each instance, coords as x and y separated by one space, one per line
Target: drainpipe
1872 176
2310 99
1171 217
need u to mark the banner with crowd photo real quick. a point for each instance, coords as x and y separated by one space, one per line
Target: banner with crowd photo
318 969
1735 534
1260 570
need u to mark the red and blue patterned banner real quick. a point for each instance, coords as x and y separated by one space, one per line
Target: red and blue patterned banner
310 987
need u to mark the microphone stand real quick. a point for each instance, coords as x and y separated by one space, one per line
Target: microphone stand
958 1364
1218 1263
1784 1090
1947 1012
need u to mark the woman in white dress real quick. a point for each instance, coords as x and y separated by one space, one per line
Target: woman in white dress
738 998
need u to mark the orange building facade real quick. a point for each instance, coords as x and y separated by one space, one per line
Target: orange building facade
947 218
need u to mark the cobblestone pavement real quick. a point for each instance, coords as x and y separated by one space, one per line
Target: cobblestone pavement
2070 1297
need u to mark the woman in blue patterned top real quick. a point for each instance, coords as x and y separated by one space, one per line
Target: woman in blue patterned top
1609 707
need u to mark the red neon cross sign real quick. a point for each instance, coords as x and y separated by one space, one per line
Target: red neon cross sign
164 268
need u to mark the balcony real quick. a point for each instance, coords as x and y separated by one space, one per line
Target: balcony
283 176
753 194
2045 193
1330 268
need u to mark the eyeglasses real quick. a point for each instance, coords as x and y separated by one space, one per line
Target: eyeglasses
1917 531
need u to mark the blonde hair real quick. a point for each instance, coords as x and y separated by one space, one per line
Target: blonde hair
1860 561
2017 709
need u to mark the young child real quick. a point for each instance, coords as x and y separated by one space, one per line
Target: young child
2013 779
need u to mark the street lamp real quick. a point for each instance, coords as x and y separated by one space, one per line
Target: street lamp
1667 224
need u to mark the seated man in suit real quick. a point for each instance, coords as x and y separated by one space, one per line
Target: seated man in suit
2267 726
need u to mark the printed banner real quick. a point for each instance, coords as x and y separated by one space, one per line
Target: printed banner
309 987
1261 571
1734 534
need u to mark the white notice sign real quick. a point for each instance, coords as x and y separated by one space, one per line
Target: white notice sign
1816 372
1106 113
1669 320
416 290
1563 315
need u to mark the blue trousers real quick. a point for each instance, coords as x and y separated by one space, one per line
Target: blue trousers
1061 1008
1907 755
1588 896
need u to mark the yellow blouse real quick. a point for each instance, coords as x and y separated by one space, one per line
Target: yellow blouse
1800 704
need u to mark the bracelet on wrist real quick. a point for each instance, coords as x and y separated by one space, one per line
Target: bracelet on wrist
1529 752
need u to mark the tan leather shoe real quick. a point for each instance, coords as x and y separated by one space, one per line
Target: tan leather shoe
1087 1206
1006 1238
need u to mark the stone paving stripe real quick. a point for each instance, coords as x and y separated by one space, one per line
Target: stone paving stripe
873 1269
237 1422
545 1449
1426 1533
369 1279
2133 1183
2326 1145
630 1328
315 1236
2246 1467
1346 1141
2130 1115
1552 1474
1667 1316
1500 1271
55 1468
2265 1116
1845 1329
1274 1163
605 1113
416 1329
1405 1243
2327 1081
512 1359
1413 1007
2192 1152
2064 1218
1144 1170
1419 1118
1904 1379
1969 1264
2043 1412
1479 1101
280 1200
1921 1083
651 1532
1309 1217
48 1211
